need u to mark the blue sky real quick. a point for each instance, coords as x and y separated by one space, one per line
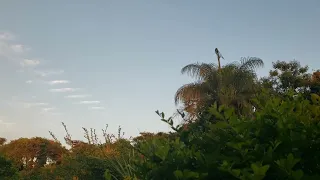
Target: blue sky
91 63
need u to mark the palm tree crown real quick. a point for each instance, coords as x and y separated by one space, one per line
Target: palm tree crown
231 85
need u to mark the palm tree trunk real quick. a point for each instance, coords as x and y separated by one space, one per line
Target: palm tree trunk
219 62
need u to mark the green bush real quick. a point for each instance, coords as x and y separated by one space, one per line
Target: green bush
280 142
7 169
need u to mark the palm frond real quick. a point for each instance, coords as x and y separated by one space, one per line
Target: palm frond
250 63
197 70
188 92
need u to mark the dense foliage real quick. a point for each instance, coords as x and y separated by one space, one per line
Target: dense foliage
7 170
235 126
279 143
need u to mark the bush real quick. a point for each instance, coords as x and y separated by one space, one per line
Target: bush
280 142
7 170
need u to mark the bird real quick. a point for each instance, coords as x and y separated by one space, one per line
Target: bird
218 53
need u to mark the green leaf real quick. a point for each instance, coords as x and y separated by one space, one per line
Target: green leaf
288 163
259 171
107 175
221 125
178 174
190 174
235 172
162 151
291 161
297 175
315 99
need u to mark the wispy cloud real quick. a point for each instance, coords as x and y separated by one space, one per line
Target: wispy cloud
58 82
10 51
29 62
29 81
19 48
97 108
89 102
76 96
48 73
14 103
6 36
37 104
63 90
48 109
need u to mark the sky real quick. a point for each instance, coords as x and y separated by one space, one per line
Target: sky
115 62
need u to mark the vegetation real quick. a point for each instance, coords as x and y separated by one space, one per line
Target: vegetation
236 126
232 85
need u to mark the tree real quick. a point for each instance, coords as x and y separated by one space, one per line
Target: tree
287 75
7 170
233 85
28 154
2 141
315 82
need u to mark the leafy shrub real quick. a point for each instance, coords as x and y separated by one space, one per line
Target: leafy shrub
7 169
280 142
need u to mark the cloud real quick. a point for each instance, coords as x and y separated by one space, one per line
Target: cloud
78 96
48 73
38 104
6 36
11 52
89 102
58 82
97 108
48 109
29 62
7 49
18 48
63 90
15 103
29 81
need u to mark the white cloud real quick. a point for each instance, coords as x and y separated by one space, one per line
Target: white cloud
89 102
63 90
15 104
27 105
18 48
29 62
6 36
78 96
97 108
48 73
48 109
40 104
29 81
11 52
58 82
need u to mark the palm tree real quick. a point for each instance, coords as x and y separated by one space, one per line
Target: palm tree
231 85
